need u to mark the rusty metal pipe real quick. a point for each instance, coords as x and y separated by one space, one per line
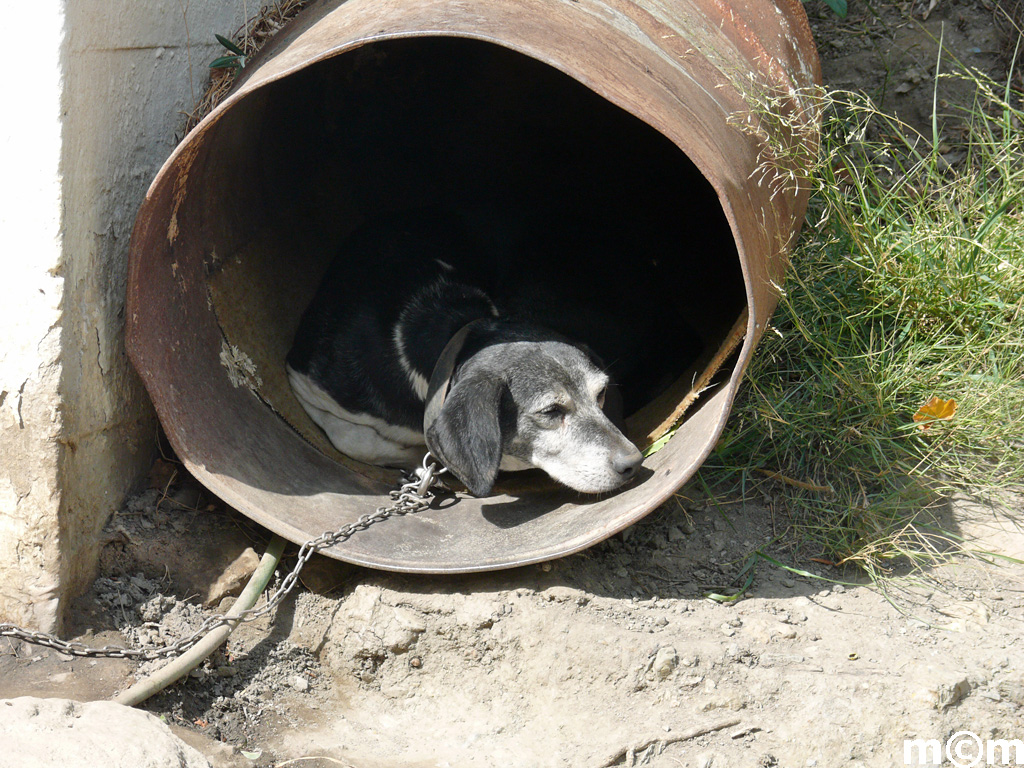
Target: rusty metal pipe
230 240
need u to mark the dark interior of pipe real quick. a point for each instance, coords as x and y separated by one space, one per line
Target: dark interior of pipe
567 195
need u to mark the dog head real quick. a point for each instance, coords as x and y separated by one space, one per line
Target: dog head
532 404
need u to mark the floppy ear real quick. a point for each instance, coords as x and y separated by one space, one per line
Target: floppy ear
466 436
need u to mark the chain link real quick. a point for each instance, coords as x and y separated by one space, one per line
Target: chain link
412 496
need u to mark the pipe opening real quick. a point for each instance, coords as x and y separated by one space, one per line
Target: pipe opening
565 193
553 147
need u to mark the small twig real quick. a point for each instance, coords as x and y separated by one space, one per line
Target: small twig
745 732
164 495
796 483
693 733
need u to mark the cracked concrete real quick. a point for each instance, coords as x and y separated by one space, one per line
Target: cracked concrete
109 86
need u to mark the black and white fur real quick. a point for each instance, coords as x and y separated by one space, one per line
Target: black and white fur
520 396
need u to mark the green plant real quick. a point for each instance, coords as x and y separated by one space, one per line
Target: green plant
838 7
908 284
236 59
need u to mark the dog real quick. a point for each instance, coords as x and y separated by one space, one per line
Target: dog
514 395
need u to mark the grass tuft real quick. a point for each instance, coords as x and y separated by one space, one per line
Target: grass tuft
907 284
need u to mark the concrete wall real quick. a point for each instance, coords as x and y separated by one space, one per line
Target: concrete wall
94 92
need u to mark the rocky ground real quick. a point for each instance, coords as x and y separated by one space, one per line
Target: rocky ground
615 656
612 657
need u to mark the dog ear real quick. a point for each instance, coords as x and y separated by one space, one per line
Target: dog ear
467 433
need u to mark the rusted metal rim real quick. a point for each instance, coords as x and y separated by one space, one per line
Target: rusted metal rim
689 69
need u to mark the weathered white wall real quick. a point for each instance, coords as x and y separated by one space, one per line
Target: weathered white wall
30 296
95 92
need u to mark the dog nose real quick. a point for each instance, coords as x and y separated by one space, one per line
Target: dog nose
627 463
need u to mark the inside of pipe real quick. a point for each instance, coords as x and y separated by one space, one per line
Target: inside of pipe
567 196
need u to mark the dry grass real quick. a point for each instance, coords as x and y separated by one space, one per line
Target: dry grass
250 37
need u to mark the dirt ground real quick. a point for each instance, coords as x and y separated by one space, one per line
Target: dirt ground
612 657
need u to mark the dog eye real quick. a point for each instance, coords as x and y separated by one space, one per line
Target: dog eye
600 397
552 411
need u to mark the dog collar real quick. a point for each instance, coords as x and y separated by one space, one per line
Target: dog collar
441 378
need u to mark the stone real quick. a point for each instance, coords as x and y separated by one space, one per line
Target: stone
60 733
366 629
1012 690
476 612
951 692
664 663
233 578
324 575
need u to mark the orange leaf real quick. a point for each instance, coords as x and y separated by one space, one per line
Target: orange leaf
934 410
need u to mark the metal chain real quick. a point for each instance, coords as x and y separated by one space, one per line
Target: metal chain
414 495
